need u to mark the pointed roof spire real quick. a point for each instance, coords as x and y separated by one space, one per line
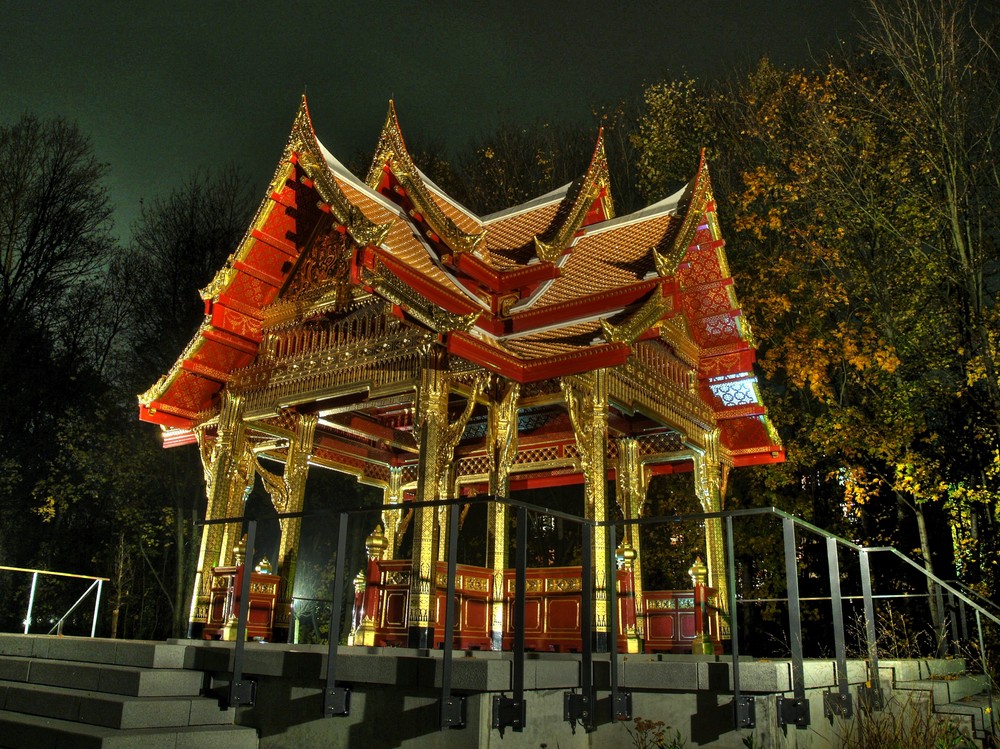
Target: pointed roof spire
391 152
305 147
693 203
593 186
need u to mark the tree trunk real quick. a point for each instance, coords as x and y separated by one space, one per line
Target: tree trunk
937 616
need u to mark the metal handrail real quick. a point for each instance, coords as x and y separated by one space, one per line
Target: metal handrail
795 710
98 582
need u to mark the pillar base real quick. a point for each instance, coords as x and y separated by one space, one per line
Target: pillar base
599 641
420 637
281 634
702 646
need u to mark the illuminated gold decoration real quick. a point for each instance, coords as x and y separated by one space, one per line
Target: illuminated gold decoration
502 436
324 266
588 412
594 184
631 486
367 348
392 495
655 384
438 437
419 307
227 462
303 144
709 482
694 202
644 318
391 151
501 452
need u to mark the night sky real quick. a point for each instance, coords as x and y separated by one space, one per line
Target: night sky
163 88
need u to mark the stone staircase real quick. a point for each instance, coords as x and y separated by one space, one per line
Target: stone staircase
949 690
78 693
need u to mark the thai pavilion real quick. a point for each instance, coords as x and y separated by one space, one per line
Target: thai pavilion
374 326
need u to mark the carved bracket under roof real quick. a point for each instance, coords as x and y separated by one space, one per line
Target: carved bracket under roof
391 151
644 318
388 286
594 185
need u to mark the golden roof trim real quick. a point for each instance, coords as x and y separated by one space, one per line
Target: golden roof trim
387 285
641 320
156 391
303 144
590 190
391 150
698 196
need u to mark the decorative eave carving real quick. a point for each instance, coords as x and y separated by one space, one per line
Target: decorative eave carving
644 318
594 184
391 151
385 283
303 146
695 200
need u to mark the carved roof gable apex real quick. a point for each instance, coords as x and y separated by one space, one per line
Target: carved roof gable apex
594 186
692 206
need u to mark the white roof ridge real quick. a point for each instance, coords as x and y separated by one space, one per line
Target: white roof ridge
552 196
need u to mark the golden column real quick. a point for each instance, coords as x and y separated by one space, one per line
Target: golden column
228 468
631 488
588 412
288 493
501 451
709 481
392 494
437 438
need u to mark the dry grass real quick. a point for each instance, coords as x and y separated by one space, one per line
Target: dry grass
908 723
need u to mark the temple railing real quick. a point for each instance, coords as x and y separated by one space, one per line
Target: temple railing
95 588
957 636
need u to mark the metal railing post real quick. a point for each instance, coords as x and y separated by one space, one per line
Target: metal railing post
97 608
511 712
243 692
795 710
940 631
744 709
31 602
336 700
621 701
841 705
452 708
874 698
956 643
580 707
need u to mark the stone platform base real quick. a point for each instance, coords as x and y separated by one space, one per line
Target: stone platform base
78 692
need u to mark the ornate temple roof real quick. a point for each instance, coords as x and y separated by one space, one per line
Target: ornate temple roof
554 287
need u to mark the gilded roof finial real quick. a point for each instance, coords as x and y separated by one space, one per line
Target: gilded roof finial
594 185
693 203
391 151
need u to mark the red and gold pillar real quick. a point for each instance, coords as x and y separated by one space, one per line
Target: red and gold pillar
586 399
501 451
228 467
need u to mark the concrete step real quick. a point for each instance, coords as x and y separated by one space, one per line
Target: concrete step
978 707
18 731
101 677
95 650
111 710
915 669
945 691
